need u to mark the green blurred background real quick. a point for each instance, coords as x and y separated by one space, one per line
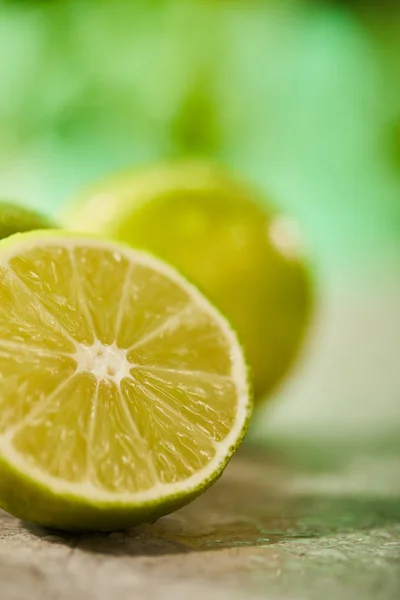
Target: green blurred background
300 97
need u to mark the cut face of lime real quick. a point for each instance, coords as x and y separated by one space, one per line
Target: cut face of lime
123 391
15 219
246 256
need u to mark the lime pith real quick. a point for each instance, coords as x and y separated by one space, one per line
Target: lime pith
123 390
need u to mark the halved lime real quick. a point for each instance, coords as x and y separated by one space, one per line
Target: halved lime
15 218
123 391
246 255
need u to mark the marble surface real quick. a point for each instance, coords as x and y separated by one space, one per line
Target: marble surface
266 530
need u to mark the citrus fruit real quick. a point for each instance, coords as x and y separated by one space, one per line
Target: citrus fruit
124 392
246 256
15 219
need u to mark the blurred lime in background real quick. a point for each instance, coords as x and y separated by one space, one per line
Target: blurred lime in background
247 257
301 98
16 219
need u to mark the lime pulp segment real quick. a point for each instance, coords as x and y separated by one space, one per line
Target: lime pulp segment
245 254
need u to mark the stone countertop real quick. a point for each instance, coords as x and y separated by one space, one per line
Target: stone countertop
265 530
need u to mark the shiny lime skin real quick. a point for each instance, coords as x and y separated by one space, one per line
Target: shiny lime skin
242 252
15 218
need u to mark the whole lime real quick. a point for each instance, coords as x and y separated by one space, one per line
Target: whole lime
245 255
15 218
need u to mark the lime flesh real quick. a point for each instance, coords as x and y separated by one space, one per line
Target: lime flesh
124 392
16 219
247 258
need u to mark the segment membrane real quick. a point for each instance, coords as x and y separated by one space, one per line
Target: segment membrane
54 438
178 447
49 273
102 274
205 400
27 378
120 457
24 320
190 341
150 300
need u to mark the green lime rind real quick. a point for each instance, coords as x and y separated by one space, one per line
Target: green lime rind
15 218
34 499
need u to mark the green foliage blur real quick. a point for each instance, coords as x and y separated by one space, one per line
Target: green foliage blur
300 97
